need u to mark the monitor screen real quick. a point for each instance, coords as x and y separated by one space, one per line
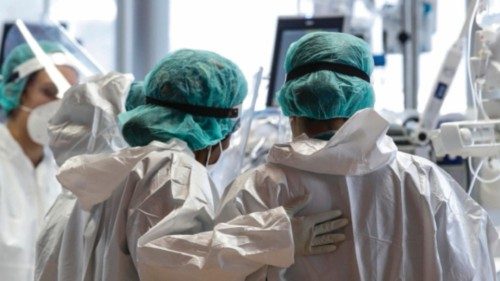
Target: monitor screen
290 30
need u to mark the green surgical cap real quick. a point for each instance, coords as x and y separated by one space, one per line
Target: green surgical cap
136 96
11 91
324 94
191 77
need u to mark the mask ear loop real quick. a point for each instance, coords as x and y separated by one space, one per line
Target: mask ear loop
210 153
220 150
25 108
208 156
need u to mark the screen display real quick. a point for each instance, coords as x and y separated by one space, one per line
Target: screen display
289 31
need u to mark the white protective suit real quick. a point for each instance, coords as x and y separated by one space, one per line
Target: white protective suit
122 195
408 219
26 193
84 124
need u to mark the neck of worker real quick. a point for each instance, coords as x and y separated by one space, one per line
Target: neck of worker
312 127
17 124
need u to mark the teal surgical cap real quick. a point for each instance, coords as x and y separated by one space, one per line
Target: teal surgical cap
327 94
196 78
136 96
11 88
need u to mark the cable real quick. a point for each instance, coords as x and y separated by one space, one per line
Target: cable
474 173
479 97
477 86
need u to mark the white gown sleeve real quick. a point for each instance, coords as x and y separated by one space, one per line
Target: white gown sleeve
465 235
232 251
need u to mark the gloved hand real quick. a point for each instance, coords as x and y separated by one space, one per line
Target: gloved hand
312 234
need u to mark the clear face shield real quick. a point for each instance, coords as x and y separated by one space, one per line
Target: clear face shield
230 162
86 122
64 51
269 127
63 61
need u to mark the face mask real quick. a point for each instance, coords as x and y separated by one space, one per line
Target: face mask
38 121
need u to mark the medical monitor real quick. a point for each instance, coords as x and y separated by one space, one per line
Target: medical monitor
289 30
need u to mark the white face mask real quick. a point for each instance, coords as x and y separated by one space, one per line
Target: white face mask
38 121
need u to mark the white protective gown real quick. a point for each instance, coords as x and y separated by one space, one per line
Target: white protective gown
84 124
26 193
120 196
409 220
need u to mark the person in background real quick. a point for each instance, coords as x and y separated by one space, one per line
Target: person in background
409 219
28 186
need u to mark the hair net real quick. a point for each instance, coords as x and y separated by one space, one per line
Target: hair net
11 91
325 94
192 77
136 96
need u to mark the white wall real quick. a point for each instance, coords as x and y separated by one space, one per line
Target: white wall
12 9
91 21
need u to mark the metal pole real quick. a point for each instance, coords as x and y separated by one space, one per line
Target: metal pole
142 35
470 99
409 38
151 25
123 32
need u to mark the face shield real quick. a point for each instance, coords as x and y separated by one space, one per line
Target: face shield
50 49
230 162
86 121
269 127
67 53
